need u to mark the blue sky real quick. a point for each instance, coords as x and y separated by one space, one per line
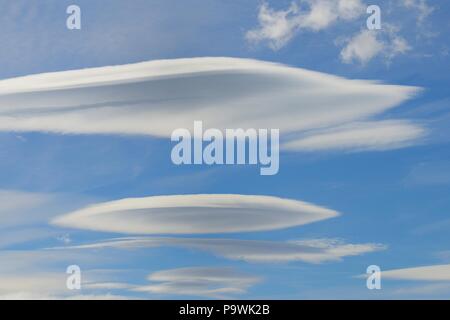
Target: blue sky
390 190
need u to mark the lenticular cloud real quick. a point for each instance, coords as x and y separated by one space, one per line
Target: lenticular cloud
156 97
194 214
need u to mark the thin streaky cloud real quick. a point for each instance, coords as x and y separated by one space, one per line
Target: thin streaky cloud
255 251
437 273
367 136
211 282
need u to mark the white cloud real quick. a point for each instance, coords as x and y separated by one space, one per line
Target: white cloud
362 47
425 273
217 282
335 249
311 251
157 97
368 44
194 214
379 135
279 27
398 46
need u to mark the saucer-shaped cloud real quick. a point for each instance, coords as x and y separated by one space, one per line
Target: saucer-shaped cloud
195 214
157 97
311 251
199 281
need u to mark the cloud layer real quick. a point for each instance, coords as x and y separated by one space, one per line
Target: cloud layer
311 251
157 97
425 273
194 214
208 282
380 135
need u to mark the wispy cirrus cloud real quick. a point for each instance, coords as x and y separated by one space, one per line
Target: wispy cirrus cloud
311 251
423 8
194 214
377 135
156 97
